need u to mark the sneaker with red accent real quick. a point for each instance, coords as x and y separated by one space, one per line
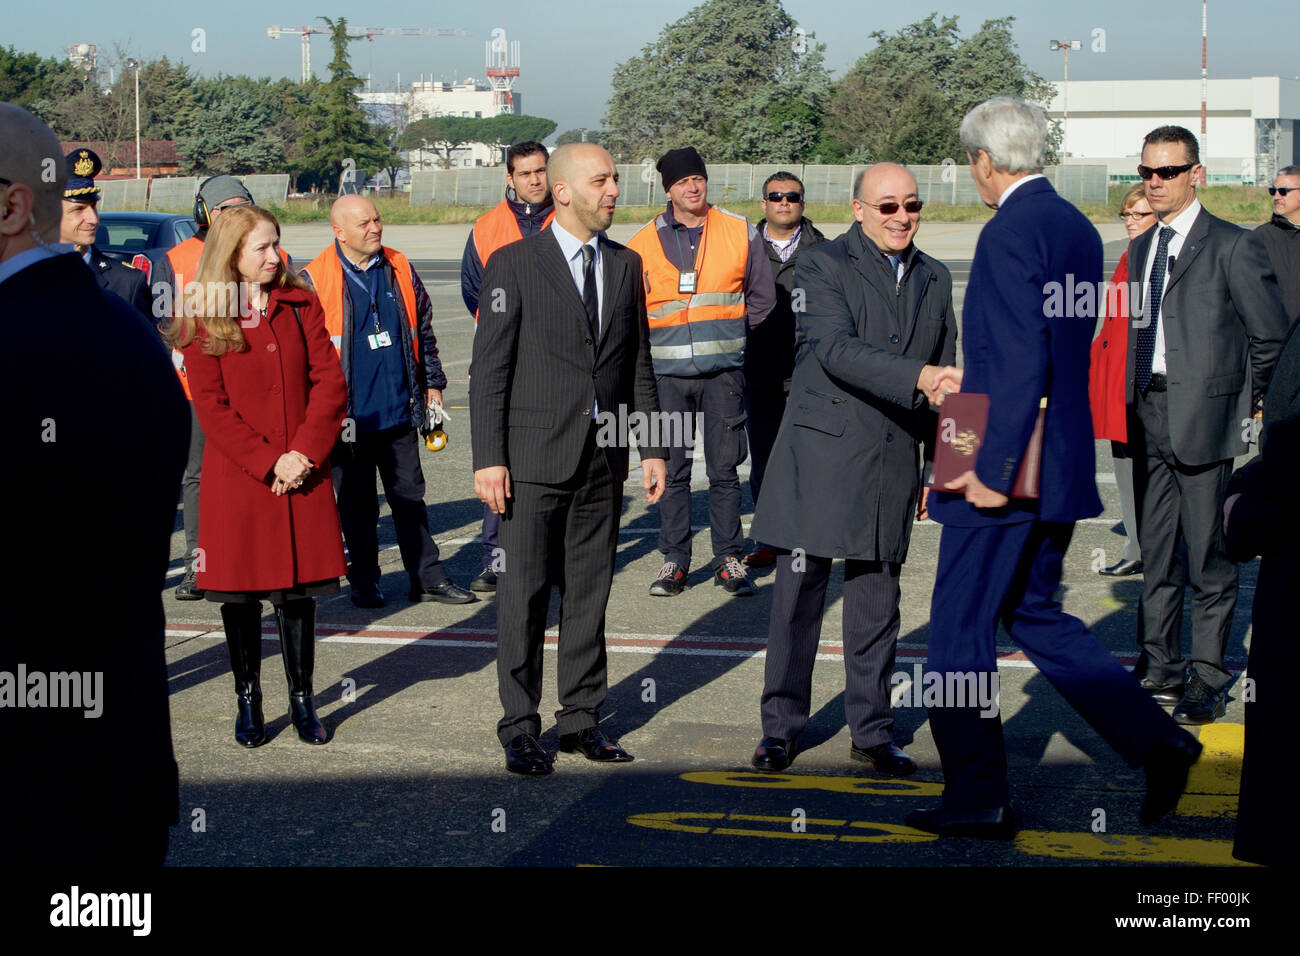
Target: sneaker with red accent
670 582
731 575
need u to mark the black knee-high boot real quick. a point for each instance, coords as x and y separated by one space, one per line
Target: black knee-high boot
297 621
244 641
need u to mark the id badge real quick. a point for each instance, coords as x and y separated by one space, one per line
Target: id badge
380 340
686 282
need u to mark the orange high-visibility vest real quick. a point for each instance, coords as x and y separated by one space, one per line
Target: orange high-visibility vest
327 275
498 228
184 259
692 333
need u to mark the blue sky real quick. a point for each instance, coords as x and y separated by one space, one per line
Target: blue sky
569 50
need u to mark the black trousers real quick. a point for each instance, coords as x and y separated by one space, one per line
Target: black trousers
562 536
395 453
1177 502
870 638
719 398
764 409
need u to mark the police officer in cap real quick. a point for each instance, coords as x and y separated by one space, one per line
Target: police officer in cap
81 220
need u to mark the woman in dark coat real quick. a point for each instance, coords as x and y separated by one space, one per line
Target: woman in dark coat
1261 517
270 396
1107 383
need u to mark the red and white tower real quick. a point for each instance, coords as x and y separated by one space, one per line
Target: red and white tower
502 69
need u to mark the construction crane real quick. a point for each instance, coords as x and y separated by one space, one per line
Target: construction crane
368 33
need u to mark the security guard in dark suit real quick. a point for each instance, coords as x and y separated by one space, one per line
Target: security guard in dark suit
80 222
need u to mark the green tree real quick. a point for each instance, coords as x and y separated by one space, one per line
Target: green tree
169 99
904 100
233 130
335 128
724 79
442 135
506 129
580 135
32 81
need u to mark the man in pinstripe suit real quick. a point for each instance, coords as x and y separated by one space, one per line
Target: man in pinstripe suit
562 338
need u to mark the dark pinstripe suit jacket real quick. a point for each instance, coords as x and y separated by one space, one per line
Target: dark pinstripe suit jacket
536 370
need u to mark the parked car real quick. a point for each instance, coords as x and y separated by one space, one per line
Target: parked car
140 239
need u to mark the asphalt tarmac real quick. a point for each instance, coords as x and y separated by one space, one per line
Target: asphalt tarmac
414 774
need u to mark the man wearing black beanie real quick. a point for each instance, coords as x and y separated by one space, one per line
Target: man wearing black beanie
708 280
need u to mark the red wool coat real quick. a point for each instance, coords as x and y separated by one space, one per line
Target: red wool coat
284 392
1109 352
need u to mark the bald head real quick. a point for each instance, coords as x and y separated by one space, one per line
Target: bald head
357 227
878 205
584 185
32 161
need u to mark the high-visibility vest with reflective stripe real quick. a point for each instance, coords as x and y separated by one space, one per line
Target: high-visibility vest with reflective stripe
496 228
184 259
692 333
327 275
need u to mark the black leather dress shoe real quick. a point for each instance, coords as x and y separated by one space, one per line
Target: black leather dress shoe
772 755
486 581
998 823
1167 694
591 743
1123 569
367 595
1201 704
887 758
1167 767
444 592
525 755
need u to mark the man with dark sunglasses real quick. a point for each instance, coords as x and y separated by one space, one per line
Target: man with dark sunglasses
769 357
1281 236
1206 334
875 331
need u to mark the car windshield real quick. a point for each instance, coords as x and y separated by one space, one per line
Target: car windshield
126 235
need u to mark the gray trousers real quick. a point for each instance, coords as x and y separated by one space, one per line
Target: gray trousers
190 490
1128 511
1178 502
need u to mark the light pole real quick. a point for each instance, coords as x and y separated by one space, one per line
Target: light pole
1066 46
133 64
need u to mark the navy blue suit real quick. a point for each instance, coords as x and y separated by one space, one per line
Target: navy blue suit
1004 564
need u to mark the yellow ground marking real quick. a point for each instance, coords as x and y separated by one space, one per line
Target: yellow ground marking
783 781
1124 848
673 820
1215 779
1114 604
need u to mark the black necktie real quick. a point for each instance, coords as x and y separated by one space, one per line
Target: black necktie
1146 342
589 299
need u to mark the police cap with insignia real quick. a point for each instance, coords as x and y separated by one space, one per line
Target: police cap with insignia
83 166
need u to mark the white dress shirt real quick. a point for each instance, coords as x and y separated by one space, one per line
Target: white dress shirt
571 247
1016 185
1180 225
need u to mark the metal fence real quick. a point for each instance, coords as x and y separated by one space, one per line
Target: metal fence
176 193
119 195
639 184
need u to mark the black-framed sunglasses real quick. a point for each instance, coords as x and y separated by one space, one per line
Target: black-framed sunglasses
1282 190
789 197
912 206
1165 173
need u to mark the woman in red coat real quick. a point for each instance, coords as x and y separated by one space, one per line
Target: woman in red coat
270 396
1106 379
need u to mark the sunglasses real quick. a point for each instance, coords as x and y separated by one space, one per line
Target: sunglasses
1163 172
1282 190
912 206
1135 216
790 197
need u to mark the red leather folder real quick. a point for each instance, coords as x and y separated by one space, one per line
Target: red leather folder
963 417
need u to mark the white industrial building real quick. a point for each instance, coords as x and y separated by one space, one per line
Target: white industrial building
1250 126
426 98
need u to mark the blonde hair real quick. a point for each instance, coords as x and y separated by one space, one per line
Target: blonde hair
1136 191
218 279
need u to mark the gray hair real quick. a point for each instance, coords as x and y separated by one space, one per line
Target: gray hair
1011 131
1289 171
